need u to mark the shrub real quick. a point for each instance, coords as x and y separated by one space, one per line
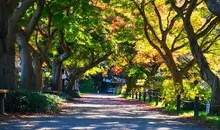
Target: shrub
23 101
72 93
169 91
65 96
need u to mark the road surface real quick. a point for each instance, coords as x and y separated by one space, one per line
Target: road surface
102 112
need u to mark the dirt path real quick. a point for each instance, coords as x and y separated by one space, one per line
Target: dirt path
101 112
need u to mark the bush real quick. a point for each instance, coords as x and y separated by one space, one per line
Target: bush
65 96
72 93
121 89
169 92
23 101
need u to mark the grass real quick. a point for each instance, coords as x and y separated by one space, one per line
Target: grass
211 120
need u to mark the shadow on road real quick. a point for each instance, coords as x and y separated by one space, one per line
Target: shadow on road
102 112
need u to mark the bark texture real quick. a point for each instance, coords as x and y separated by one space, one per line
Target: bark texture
7 47
38 79
57 76
26 63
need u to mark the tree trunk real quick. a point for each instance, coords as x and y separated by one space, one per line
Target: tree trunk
7 71
177 80
37 74
205 71
215 99
177 76
71 82
130 84
7 50
76 85
57 76
213 6
26 63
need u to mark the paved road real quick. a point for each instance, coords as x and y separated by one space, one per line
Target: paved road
101 112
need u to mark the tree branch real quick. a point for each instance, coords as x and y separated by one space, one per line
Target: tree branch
158 16
190 9
211 25
188 66
176 39
211 43
179 47
35 18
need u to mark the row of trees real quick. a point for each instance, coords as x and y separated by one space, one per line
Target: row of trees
53 34
170 27
79 34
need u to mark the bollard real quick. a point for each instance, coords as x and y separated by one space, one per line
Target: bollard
207 108
196 106
165 105
145 94
132 95
139 95
136 95
150 95
178 102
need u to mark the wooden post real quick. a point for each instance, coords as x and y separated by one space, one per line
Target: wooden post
150 95
196 106
132 95
165 105
139 95
136 97
2 102
178 102
144 96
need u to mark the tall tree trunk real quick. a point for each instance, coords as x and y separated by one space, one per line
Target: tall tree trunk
130 84
7 49
205 71
76 85
177 80
38 80
72 79
215 99
7 71
177 76
57 76
214 6
207 75
26 63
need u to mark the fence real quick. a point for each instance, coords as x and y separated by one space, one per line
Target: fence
154 95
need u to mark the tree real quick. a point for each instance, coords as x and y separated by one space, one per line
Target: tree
10 16
90 55
23 35
166 36
64 53
185 11
56 17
